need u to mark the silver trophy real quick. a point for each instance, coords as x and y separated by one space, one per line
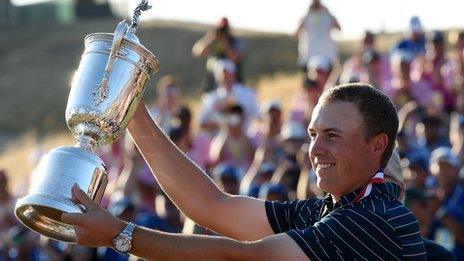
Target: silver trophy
106 90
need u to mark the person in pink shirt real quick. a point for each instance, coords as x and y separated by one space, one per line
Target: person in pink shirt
320 71
401 88
429 70
231 145
199 152
453 70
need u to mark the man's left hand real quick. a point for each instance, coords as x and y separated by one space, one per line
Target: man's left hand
96 226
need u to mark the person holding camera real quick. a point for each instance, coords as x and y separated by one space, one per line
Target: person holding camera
217 44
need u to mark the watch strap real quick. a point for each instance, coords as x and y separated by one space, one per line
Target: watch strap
129 230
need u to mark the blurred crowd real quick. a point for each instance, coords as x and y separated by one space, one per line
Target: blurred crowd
254 148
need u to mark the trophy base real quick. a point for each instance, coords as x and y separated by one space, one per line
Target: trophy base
42 213
50 193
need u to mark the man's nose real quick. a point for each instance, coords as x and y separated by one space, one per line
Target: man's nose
317 147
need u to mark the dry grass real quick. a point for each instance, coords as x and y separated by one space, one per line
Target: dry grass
20 157
280 87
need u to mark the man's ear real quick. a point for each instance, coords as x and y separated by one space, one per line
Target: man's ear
379 145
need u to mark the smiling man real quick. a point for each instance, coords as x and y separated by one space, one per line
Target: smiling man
352 132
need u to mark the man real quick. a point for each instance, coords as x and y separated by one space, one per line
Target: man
352 133
229 92
218 44
414 41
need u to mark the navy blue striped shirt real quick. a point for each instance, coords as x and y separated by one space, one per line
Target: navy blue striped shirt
375 228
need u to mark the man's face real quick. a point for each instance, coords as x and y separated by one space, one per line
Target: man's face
339 153
226 78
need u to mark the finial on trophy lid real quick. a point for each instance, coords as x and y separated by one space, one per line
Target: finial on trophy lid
143 6
123 31
105 92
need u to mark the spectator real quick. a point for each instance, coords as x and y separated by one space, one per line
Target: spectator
7 219
231 145
414 41
229 92
166 210
353 68
227 178
167 102
273 192
314 34
432 134
416 201
220 44
453 70
417 193
267 134
202 141
293 136
256 175
416 171
288 174
146 190
401 88
448 210
318 77
429 70
179 135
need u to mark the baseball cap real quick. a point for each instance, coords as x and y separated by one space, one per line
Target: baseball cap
225 171
416 160
444 154
293 130
415 25
224 65
399 56
271 104
437 37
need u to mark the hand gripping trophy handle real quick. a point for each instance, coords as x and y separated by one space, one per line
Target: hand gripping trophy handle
105 92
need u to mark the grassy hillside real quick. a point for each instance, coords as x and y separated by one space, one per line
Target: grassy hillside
38 61
19 158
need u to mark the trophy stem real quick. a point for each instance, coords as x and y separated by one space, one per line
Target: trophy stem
85 142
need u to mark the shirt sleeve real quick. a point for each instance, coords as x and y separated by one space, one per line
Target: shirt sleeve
282 215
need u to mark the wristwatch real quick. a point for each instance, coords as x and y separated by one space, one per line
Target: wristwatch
123 241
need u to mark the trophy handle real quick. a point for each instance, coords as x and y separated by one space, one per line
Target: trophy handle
101 93
97 187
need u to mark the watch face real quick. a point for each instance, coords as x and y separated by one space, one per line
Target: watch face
122 244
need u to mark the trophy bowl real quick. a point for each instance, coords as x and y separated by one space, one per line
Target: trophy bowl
105 92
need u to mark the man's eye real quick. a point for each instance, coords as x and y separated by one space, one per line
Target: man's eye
332 135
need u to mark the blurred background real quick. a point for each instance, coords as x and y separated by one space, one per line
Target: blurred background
284 53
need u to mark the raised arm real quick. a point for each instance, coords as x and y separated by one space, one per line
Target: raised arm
192 190
202 47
